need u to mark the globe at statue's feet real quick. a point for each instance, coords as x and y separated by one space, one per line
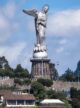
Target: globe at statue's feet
40 51
40 55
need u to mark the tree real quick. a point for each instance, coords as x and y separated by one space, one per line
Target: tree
73 92
6 72
3 62
75 97
67 104
51 94
5 69
38 90
68 75
27 81
21 72
18 81
45 82
54 72
75 103
2 73
22 81
77 71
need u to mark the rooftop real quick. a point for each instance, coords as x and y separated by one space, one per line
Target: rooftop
17 96
56 101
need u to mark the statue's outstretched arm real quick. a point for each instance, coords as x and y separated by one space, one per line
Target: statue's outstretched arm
32 12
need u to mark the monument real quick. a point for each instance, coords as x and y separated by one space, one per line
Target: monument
40 61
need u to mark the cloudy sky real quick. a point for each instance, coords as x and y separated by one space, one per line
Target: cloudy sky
17 32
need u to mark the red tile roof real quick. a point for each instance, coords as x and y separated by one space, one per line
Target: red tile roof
17 96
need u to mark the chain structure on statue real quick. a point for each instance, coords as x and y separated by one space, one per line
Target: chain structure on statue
40 61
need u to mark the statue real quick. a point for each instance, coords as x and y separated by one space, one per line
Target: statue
40 26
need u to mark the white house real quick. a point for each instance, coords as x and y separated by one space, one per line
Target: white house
17 99
52 103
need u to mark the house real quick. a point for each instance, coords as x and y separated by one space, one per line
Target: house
17 99
52 103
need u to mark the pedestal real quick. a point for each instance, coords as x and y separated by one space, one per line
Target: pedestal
40 68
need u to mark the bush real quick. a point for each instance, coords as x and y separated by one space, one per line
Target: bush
38 90
67 104
45 82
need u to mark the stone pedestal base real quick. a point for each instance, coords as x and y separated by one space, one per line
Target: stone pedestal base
40 68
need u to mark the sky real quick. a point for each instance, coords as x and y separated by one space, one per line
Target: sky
17 32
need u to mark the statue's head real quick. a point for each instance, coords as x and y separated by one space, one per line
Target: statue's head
45 8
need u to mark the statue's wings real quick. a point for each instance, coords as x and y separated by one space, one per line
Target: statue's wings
32 12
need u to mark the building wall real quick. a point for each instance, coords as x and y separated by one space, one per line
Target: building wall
19 103
6 81
65 86
52 106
